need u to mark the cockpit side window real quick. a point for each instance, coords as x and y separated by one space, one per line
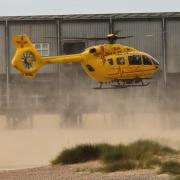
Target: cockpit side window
110 61
146 60
135 60
120 60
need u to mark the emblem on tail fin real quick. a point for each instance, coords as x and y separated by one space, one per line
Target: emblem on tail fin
21 41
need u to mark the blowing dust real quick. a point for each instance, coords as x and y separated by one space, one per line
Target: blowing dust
50 114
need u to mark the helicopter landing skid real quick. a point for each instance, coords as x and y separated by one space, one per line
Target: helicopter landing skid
136 85
111 87
125 84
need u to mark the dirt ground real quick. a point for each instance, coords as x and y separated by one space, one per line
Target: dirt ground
83 171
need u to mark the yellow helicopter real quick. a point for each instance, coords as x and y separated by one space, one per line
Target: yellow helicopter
119 65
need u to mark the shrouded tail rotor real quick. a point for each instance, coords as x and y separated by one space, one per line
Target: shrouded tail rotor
26 59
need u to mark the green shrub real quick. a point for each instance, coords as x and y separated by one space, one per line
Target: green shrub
103 148
149 163
80 153
172 167
120 152
142 152
144 149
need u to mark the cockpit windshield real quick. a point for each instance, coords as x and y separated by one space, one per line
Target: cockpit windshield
146 60
149 60
155 62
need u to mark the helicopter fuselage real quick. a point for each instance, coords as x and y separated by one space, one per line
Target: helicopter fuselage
109 62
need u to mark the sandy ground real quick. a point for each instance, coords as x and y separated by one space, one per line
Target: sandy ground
84 171
23 148
37 146
32 148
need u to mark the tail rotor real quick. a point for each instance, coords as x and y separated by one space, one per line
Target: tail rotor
26 59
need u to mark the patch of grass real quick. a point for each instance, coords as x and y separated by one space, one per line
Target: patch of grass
80 153
104 148
139 150
152 162
140 154
119 165
172 167
120 152
149 163
144 149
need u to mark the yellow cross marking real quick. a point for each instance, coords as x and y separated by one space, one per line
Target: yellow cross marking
21 42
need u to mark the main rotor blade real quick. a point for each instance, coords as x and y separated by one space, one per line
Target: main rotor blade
86 38
98 38
111 39
78 38
124 37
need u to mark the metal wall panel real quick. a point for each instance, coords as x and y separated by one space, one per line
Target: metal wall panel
2 50
85 29
147 36
173 46
37 33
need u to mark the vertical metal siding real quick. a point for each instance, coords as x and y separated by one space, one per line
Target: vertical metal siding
2 50
151 44
37 33
173 46
85 29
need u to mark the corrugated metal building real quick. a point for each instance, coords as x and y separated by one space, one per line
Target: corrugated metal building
154 33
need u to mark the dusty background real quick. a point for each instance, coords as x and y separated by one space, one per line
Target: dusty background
32 134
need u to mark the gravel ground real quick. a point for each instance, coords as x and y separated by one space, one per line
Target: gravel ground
84 171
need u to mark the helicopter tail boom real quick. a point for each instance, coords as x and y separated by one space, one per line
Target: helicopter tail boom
28 60
62 59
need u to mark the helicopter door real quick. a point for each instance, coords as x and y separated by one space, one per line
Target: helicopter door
134 69
112 70
120 60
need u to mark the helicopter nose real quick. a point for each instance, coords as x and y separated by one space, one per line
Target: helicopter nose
156 63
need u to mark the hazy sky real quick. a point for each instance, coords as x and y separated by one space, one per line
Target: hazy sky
57 7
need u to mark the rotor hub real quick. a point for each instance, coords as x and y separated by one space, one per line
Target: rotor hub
28 60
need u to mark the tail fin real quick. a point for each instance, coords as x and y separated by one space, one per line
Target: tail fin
26 59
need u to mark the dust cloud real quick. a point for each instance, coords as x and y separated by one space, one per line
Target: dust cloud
50 113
